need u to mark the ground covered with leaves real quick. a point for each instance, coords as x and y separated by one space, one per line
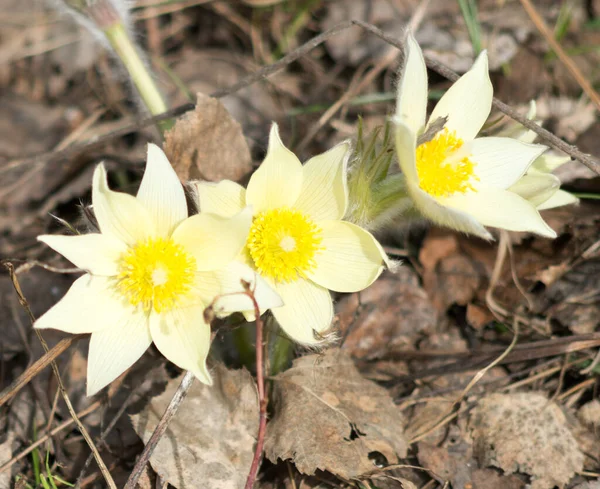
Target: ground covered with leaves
474 365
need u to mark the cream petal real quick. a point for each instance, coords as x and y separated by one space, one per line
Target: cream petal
411 98
307 307
443 216
351 258
226 287
116 348
501 209
558 199
161 192
119 215
183 337
500 162
225 198
91 304
468 102
278 180
406 144
324 193
536 188
212 240
98 254
548 162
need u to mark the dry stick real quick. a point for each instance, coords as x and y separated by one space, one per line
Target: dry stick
84 432
567 61
262 398
294 55
178 397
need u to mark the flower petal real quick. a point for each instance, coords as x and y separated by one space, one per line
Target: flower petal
468 102
536 188
116 348
225 198
95 253
225 286
549 162
307 307
212 240
161 192
558 199
89 305
351 258
278 180
406 144
183 337
441 215
411 98
118 214
501 209
500 162
324 193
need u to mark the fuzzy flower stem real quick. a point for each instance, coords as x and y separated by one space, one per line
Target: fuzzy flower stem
129 55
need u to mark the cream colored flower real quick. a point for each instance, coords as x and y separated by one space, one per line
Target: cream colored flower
538 185
454 178
298 241
151 272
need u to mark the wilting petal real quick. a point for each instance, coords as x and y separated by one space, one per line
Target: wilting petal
183 337
278 180
536 188
307 307
161 192
558 199
500 162
116 348
468 102
443 216
95 253
212 240
406 144
118 214
225 285
351 258
225 198
91 304
501 209
324 192
411 98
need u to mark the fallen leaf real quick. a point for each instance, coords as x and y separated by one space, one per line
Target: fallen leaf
210 441
525 432
491 479
208 144
328 417
589 414
7 447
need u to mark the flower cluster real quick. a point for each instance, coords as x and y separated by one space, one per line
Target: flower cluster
152 269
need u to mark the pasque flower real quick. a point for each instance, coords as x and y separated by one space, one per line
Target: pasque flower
298 241
151 272
454 178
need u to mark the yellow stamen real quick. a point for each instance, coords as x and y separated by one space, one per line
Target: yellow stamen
441 175
282 243
156 273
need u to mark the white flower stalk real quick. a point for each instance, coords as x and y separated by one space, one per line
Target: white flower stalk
151 272
538 185
454 178
298 241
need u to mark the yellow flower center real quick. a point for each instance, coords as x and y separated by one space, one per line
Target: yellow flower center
442 169
282 243
156 273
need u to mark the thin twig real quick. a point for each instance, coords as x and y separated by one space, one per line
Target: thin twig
161 427
271 69
106 474
262 398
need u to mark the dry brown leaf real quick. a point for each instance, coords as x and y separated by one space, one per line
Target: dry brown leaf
328 417
208 144
525 432
210 441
